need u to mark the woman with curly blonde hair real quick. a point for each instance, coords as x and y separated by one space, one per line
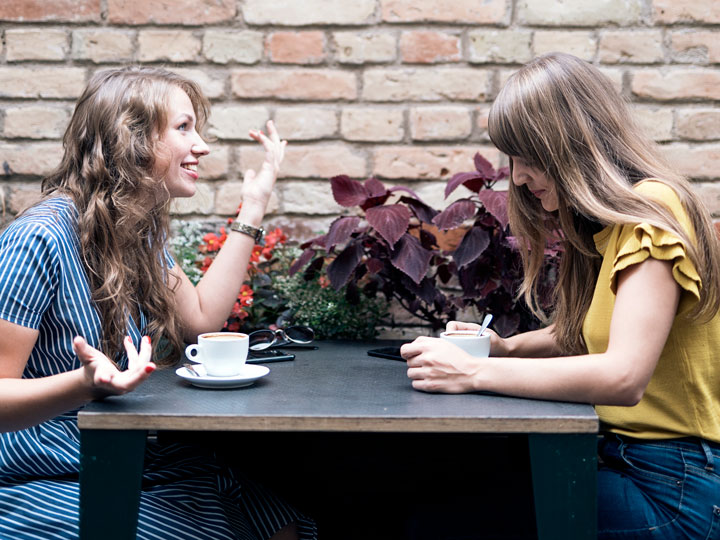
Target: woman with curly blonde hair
635 326
86 281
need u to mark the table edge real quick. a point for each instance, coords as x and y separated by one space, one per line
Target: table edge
101 421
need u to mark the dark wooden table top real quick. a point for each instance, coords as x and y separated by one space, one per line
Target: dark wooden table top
337 387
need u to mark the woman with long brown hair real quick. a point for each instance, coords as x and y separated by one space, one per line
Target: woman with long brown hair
635 325
86 282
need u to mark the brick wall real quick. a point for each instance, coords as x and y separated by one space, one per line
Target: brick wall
394 88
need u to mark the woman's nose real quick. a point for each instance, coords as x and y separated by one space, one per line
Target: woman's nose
200 148
518 177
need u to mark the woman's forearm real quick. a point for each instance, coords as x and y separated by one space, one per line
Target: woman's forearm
533 344
28 402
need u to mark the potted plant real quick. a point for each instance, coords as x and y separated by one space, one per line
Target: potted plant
391 249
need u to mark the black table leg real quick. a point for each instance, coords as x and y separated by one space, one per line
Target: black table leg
564 473
111 464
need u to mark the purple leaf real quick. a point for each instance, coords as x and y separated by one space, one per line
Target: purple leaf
374 265
317 241
406 190
344 265
458 180
302 260
471 247
411 258
506 324
377 194
495 202
455 214
340 231
348 192
390 221
427 239
375 188
423 212
484 167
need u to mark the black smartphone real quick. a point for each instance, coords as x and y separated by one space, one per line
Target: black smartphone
268 355
392 353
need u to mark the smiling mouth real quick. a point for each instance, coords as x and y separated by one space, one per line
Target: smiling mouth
189 167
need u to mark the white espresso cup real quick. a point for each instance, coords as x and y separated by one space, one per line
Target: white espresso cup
469 341
222 353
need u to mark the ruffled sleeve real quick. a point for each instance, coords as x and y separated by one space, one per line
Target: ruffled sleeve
638 242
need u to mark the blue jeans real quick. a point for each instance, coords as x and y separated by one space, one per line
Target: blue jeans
658 489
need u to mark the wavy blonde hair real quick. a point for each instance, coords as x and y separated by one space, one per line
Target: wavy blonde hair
561 115
109 171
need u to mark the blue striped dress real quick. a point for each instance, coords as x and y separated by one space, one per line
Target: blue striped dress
187 493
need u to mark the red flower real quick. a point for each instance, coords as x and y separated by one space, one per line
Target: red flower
207 261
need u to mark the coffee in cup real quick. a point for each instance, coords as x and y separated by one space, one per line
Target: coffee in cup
469 341
222 353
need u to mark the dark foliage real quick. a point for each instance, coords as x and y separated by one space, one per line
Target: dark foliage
395 251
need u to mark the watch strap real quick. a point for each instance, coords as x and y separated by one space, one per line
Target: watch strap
256 233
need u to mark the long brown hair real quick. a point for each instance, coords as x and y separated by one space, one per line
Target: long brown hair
563 116
108 170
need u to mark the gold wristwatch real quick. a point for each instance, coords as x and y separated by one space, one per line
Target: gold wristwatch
256 233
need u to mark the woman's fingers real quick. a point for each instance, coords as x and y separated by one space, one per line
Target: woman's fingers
459 325
139 361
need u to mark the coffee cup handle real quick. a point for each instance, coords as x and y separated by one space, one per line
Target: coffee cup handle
190 349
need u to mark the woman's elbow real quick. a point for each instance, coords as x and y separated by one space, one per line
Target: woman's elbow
625 391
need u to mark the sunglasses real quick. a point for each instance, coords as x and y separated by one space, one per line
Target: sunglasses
292 337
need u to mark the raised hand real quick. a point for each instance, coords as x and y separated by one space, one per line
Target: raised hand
257 186
104 378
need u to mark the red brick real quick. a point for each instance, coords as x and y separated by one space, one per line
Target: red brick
425 84
698 124
306 12
50 10
427 47
441 122
695 47
185 12
695 161
456 11
44 82
311 161
296 47
32 159
676 11
294 84
23 196
427 162
677 84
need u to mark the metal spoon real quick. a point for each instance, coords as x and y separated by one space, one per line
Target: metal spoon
191 369
485 323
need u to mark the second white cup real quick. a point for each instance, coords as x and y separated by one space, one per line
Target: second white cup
469 341
222 353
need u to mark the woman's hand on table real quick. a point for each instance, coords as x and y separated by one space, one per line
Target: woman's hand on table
498 347
257 186
104 378
436 365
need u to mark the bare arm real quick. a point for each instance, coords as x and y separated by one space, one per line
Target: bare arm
205 307
27 402
645 307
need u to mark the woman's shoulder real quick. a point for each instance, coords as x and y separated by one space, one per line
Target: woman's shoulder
53 218
658 190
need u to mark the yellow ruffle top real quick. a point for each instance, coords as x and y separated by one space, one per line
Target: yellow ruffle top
683 396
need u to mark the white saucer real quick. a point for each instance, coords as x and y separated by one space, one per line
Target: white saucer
249 374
